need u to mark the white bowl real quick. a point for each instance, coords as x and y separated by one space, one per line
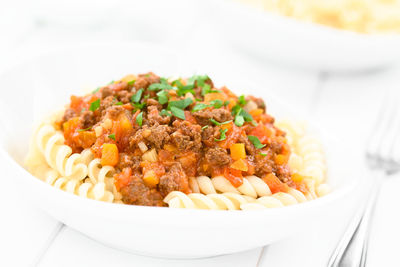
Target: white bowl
34 88
285 40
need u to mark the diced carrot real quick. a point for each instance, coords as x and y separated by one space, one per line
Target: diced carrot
76 103
123 178
240 165
189 117
87 138
214 96
238 151
251 168
125 124
262 132
109 155
256 113
231 137
233 176
127 106
151 179
281 159
232 103
274 184
297 177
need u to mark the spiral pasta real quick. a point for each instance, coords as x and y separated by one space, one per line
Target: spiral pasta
50 144
307 157
224 201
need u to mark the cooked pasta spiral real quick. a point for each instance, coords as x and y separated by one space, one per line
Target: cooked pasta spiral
224 201
252 186
59 156
307 157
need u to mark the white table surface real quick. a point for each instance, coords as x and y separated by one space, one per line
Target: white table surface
344 104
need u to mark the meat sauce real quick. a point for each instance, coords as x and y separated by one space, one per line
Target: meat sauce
158 133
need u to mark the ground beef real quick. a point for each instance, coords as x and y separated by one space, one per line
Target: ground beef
203 116
283 173
114 111
217 156
159 135
126 160
209 134
174 180
250 149
137 193
105 92
124 96
154 117
69 114
276 147
144 80
264 165
105 104
88 119
187 136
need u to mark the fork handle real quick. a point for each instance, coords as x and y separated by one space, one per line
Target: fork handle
352 248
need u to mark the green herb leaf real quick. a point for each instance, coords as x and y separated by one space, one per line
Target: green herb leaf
217 103
242 100
239 120
137 96
159 86
180 104
119 103
83 130
263 154
219 123
246 116
165 112
200 79
226 103
138 106
200 106
132 82
139 118
256 142
204 127
112 136
94 105
162 97
179 113
222 136
146 96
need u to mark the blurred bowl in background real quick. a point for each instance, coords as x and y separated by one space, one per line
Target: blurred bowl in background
302 44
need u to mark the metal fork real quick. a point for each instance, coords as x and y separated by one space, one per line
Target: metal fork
383 158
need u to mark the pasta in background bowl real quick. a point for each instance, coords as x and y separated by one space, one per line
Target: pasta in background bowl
301 43
154 231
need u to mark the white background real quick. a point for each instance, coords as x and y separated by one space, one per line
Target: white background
346 104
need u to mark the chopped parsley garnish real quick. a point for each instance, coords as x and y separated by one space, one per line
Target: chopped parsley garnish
119 103
179 113
183 89
163 85
138 106
241 116
165 112
200 79
226 103
204 127
146 96
217 103
162 97
200 106
206 89
239 120
139 119
83 130
242 100
94 105
219 123
181 104
137 96
112 136
256 142
263 154
222 136
132 82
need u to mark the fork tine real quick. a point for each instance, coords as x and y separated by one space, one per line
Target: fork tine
377 131
385 151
